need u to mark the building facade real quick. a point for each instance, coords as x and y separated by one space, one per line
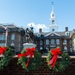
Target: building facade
52 39
47 41
12 37
44 41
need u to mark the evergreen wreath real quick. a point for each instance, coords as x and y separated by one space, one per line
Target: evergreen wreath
29 59
55 64
7 53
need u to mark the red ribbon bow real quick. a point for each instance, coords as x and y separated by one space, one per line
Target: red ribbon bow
55 53
29 52
2 50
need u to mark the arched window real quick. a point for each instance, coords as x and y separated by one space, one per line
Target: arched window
65 41
57 41
53 21
47 42
53 29
52 41
13 36
67 33
52 15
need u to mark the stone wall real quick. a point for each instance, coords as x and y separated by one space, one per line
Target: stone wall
14 69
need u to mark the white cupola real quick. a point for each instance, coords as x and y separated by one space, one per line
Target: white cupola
53 25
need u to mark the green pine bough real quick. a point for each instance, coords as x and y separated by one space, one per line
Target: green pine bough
61 64
34 62
7 56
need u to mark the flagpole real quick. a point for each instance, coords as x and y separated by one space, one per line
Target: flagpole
6 33
6 41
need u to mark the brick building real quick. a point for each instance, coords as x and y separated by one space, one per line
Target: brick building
48 40
52 39
43 40
14 37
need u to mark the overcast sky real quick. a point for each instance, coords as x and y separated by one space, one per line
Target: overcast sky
23 13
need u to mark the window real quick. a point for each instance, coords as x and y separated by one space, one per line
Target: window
41 42
19 47
70 42
52 15
12 44
53 29
47 42
52 21
67 33
38 35
41 48
57 41
65 48
13 36
19 37
74 44
2 36
47 49
70 49
65 42
52 41
2 44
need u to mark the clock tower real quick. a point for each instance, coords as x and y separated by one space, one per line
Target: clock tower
53 25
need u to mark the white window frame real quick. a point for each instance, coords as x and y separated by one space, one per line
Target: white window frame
47 41
41 48
65 48
13 36
57 41
52 41
41 42
65 41
12 44
2 37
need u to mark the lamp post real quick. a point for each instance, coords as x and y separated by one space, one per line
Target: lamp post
6 33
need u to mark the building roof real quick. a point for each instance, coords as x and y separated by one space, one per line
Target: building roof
61 34
10 27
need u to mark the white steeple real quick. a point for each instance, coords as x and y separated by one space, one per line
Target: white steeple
53 25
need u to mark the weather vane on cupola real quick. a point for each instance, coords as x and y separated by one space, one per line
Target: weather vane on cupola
52 6
53 25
